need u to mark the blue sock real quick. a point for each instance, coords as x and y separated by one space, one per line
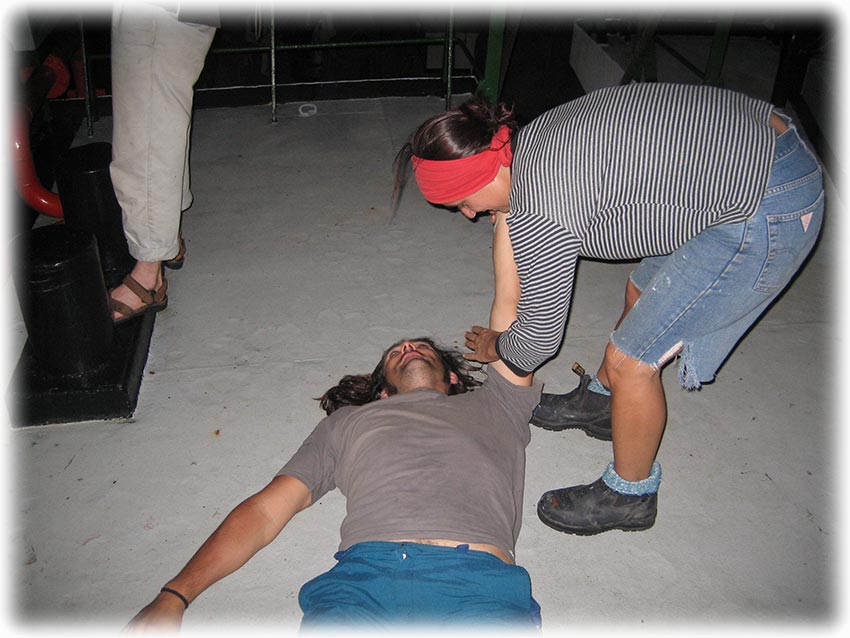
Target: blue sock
649 485
598 388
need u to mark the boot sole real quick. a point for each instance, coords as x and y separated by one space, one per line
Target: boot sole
590 429
579 531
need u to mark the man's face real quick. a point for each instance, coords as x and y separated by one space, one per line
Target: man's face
411 365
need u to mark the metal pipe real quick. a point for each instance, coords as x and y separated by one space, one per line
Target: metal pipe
329 45
215 89
29 186
88 92
450 62
274 74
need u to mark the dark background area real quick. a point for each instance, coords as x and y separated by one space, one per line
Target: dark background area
535 72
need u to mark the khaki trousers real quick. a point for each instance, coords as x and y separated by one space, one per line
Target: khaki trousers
156 60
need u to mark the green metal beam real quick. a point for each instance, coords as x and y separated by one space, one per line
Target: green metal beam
717 55
489 88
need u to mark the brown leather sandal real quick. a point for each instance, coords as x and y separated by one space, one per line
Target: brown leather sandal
153 300
176 262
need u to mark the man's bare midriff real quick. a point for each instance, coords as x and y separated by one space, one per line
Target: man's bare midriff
478 547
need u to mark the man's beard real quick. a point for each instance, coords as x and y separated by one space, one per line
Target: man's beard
390 389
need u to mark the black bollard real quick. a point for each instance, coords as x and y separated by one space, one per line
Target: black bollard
89 204
64 301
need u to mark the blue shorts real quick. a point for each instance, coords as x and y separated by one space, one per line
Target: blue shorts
385 585
700 300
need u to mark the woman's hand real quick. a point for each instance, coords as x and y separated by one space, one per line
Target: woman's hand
482 342
163 615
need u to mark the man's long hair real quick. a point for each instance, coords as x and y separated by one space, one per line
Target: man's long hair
360 389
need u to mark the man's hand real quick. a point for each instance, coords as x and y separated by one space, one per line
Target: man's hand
482 342
163 615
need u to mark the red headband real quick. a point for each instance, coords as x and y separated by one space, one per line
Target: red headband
444 181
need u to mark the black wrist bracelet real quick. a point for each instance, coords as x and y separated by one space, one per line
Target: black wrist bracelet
176 593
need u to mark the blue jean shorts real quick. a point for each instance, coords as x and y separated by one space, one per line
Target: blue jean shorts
699 301
386 585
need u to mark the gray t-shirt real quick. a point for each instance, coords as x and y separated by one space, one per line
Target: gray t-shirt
425 465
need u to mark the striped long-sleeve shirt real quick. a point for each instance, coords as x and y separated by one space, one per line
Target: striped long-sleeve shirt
623 173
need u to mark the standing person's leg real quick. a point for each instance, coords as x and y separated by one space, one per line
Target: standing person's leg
156 61
699 304
176 262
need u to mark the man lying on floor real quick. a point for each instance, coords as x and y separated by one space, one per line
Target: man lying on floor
433 472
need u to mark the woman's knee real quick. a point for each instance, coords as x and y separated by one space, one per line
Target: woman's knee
618 366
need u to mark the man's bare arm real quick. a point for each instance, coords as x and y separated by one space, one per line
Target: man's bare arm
251 525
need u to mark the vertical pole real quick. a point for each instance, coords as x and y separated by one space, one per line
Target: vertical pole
88 92
273 67
644 48
717 55
489 87
448 67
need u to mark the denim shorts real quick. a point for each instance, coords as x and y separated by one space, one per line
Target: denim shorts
699 301
383 585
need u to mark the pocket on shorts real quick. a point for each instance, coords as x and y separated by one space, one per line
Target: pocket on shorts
790 237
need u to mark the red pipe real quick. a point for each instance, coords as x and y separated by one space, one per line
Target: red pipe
62 77
29 186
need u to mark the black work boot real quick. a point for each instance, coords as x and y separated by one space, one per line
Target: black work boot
579 409
591 509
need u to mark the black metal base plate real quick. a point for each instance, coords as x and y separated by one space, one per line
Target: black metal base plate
35 397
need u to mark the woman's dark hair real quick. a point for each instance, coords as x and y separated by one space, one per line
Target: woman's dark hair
360 389
459 132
